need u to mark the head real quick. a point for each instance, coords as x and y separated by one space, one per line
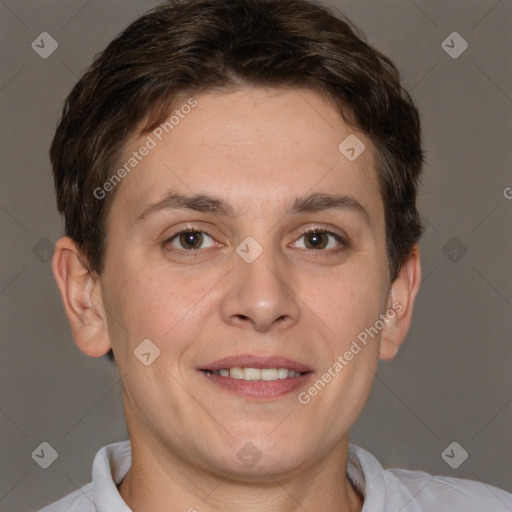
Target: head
230 120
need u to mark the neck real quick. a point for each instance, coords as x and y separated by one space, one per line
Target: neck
158 482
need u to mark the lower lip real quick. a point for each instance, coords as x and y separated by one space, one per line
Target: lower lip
259 388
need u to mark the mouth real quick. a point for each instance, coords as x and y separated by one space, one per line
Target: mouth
251 374
260 377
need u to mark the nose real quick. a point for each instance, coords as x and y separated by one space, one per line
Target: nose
259 295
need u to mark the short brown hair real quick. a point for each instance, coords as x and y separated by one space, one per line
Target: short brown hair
189 46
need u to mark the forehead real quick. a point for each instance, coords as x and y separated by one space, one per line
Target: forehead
255 147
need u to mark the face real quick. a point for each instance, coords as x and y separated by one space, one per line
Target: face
243 241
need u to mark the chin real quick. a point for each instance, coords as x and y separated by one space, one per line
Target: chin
259 455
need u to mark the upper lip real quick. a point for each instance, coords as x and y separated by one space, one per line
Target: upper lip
256 361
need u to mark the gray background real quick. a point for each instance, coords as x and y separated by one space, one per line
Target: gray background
450 382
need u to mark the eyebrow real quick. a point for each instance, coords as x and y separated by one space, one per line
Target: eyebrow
206 203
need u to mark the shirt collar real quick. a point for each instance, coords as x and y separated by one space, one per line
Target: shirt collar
113 462
108 470
367 476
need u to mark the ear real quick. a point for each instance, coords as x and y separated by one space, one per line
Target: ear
81 295
401 298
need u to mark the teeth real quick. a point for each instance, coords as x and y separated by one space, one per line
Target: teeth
236 373
282 373
256 373
252 374
269 374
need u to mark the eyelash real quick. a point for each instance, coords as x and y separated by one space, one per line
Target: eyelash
316 230
325 231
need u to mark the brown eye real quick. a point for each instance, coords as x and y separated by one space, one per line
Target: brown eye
318 240
191 240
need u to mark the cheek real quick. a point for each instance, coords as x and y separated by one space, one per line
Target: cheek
346 303
349 306
152 302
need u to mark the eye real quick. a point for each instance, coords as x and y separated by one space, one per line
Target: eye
318 239
190 240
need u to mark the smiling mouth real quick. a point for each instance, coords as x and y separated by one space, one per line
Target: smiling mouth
256 374
260 384
257 377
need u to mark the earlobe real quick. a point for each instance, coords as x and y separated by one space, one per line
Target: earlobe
400 305
81 297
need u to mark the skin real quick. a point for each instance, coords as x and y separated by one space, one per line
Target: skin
257 149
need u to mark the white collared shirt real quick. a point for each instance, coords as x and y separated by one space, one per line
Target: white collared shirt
384 490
